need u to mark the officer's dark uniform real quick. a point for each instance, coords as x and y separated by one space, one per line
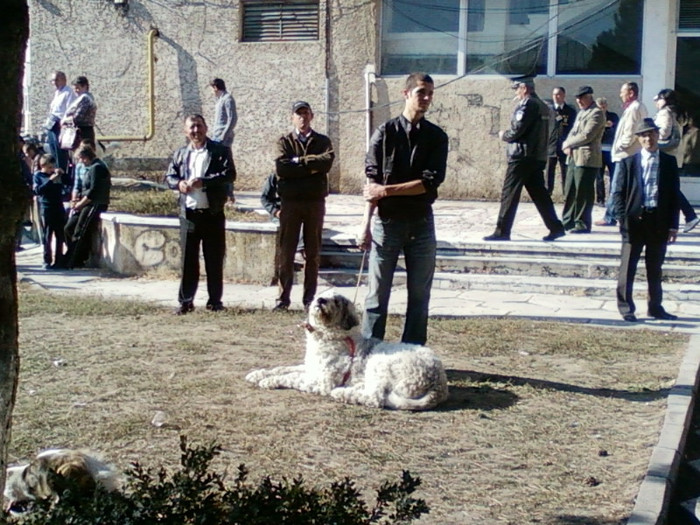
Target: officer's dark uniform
527 156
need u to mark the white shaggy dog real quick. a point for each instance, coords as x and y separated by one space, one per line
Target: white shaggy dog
339 362
50 472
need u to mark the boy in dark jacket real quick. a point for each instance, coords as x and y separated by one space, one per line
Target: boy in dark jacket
48 187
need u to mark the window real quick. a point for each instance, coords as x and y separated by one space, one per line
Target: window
280 21
689 16
511 37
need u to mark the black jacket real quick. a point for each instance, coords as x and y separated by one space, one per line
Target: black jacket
560 125
269 197
529 128
218 171
97 184
392 160
628 195
302 167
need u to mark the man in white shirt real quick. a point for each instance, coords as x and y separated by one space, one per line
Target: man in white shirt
625 142
200 172
62 98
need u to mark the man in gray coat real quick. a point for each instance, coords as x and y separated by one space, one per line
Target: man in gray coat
585 158
225 118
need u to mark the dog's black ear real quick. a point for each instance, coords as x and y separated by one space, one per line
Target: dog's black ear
349 318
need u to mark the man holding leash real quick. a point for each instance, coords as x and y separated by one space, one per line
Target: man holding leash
404 166
200 172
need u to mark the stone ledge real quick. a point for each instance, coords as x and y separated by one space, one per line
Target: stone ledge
133 245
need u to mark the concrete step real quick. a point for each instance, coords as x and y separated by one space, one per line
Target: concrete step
516 283
585 267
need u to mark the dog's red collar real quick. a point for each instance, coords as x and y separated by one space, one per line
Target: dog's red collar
351 344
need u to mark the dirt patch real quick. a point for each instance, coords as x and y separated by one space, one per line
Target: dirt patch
546 423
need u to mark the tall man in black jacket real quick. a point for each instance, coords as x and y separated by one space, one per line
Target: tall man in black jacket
527 156
200 171
645 203
405 164
564 116
304 158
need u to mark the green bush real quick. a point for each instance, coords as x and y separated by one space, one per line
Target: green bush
195 495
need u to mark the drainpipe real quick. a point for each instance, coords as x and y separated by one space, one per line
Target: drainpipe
370 80
150 58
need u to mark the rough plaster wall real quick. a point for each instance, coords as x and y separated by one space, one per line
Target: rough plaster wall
199 40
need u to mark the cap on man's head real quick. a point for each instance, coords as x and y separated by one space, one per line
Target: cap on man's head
645 125
584 90
300 104
527 80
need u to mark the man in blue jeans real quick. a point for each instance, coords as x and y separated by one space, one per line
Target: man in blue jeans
405 165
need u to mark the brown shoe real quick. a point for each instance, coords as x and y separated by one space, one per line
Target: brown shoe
605 223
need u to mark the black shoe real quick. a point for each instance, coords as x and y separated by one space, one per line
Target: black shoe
216 307
663 315
280 307
630 318
184 308
494 237
580 230
553 236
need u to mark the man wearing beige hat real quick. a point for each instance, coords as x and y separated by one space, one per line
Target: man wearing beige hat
645 202
584 159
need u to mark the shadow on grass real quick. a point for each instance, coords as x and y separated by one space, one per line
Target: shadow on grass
480 397
643 396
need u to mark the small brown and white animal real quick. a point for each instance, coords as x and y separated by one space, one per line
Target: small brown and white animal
341 363
44 477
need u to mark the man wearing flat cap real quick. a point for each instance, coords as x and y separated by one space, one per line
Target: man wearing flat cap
527 156
584 159
304 158
645 203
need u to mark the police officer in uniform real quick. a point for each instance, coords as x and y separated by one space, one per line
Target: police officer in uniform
527 156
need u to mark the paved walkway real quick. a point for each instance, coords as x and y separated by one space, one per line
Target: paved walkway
457 222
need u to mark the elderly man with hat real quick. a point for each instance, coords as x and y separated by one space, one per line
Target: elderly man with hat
304 158
645 202
527 141
584 159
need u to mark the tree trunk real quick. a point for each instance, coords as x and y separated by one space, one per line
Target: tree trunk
14 30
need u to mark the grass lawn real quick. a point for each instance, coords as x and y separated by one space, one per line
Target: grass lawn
546 423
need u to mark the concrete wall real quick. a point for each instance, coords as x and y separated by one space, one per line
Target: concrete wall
200 40
131 245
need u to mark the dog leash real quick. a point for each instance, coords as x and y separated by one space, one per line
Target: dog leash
351 345
359 275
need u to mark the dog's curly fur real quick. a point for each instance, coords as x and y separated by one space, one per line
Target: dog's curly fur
52 471
340 363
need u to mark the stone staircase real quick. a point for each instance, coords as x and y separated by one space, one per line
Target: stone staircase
536 267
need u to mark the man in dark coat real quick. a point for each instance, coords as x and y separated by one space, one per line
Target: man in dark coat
527 156
563 115
645 203
201 171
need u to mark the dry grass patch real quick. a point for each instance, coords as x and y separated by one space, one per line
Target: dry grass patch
547 423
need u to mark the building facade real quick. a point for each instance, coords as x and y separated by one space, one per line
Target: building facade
348 59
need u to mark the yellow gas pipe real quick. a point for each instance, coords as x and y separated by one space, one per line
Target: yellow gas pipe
150 38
